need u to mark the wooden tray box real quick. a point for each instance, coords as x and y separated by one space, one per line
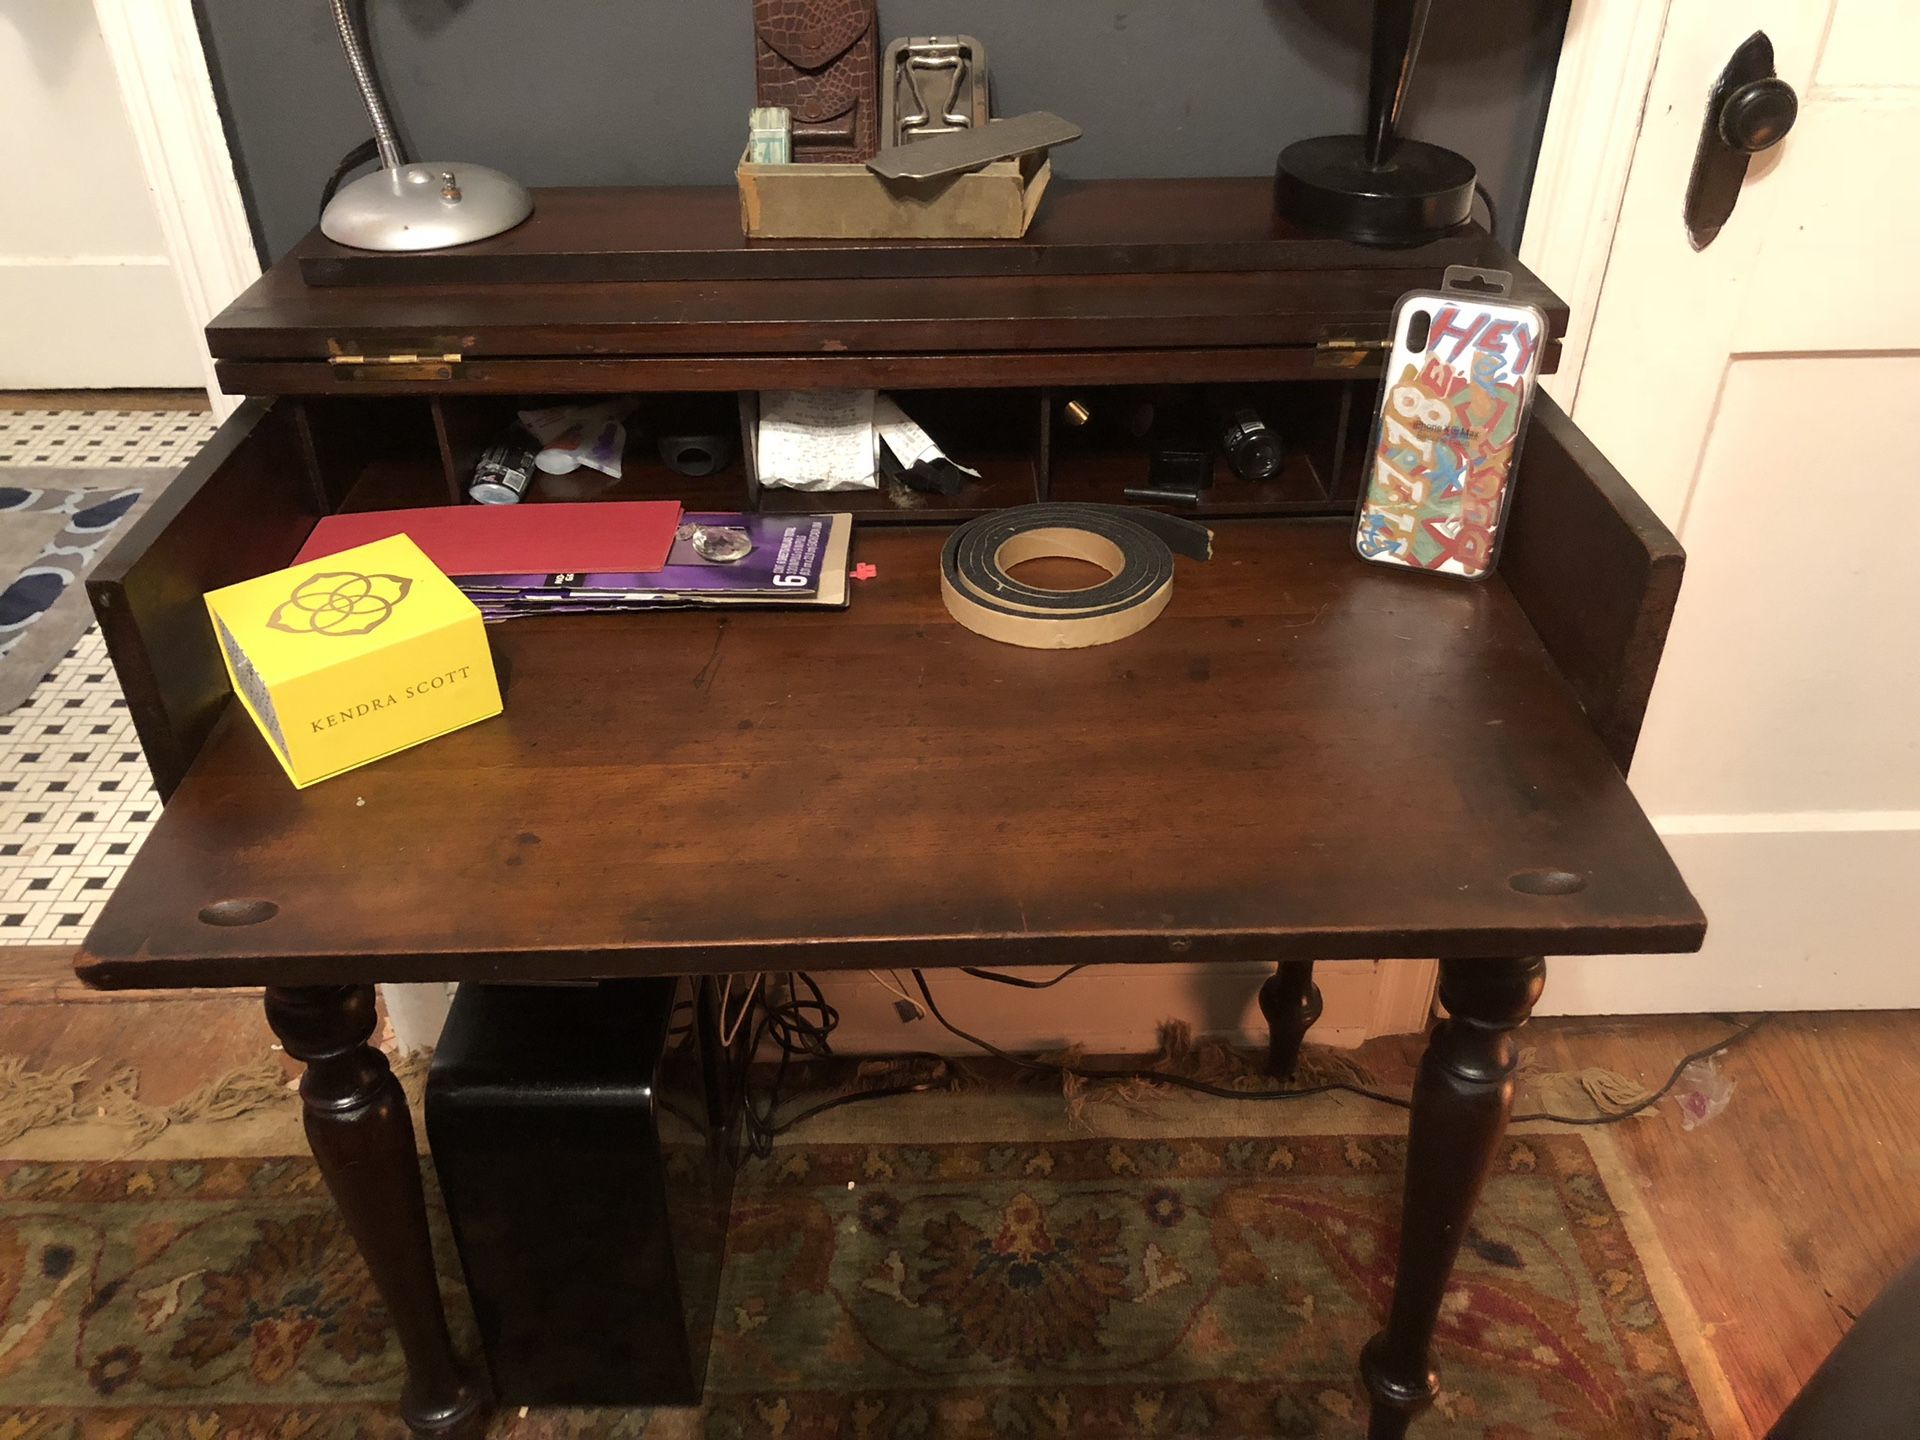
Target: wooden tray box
850 202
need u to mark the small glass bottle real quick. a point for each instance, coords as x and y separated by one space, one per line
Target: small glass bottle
1252 446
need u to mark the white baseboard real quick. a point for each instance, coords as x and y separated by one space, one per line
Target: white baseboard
1798 918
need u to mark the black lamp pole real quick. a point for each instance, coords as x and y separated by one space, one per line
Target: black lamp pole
1398 28
1379 188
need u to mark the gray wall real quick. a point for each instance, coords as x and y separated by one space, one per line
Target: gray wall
633 92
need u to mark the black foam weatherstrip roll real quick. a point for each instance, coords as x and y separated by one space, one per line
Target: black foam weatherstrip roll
1136 547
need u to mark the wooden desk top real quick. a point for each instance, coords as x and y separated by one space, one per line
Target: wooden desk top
606 234
604 274
1303 757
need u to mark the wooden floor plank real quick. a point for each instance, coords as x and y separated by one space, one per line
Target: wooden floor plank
103 400
43 974
1787 1214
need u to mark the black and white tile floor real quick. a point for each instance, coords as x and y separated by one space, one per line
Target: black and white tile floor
89 439
75 801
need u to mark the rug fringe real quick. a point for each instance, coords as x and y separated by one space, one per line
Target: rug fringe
37 1100
410 1069
33 1099
1588 1093
46 1099
237 1093
119 1103
1212 1062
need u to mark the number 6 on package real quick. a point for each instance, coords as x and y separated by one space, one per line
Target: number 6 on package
1453 409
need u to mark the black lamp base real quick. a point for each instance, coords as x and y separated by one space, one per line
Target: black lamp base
1420 193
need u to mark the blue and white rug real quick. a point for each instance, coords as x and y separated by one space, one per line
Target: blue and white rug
75 802
55 524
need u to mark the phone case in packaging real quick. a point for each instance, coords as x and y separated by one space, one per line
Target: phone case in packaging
1453 409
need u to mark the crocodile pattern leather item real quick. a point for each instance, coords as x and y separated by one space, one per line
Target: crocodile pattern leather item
819 59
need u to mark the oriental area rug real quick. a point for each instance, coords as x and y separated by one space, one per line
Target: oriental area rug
1172 1281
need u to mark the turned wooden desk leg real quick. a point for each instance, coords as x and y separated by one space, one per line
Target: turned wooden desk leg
362 1136
1460 1105
1291 1002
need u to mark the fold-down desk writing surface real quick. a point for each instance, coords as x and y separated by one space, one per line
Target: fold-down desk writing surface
1303 757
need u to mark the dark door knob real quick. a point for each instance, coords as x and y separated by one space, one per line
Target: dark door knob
1750 109
1756 116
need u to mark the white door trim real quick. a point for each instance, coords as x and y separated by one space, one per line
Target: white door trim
1593 122
168 90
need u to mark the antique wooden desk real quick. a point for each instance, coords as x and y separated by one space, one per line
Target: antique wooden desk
1304 758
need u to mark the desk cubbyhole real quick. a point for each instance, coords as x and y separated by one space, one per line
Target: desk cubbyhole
368 452
703 422
999 433
1103 440
1028 443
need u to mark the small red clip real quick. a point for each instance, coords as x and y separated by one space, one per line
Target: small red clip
864 571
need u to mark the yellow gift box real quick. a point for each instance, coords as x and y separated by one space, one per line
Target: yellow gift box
344 660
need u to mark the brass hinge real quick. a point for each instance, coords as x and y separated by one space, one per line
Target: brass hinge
426 363
451 358
1345 352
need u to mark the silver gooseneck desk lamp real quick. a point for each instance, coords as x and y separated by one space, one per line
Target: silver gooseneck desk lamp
419 205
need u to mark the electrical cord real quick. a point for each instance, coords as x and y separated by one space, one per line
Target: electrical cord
1705 1052
1156 1077
1399 1102
1493 215
728 1032
788 1024
762 1136
891 984
802 1025
1021 981
365 151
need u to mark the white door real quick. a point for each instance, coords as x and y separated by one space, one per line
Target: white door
88 297
1762 393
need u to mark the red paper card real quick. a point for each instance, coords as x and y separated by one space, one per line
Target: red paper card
515 539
